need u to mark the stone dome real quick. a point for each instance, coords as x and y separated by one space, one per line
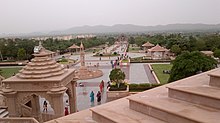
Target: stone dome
41 66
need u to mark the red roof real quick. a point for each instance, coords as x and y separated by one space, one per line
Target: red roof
158 48
74 47
148 44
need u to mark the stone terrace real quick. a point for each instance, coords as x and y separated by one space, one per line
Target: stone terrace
191 100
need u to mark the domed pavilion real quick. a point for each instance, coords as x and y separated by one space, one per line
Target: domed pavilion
43 77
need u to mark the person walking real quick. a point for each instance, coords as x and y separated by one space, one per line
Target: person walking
92 98
108 85
66 111
45 106
98 97
101 86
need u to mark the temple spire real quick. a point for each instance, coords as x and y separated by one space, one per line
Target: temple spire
82 54
81 46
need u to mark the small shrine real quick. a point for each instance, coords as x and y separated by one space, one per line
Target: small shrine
73 48
147 46
44 78
158 52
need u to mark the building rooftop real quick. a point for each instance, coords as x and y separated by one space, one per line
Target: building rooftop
147 44
209 53
74 46
158 48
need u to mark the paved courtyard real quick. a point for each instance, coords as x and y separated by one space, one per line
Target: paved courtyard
135 73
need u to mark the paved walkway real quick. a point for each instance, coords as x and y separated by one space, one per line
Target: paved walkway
138 74
149 74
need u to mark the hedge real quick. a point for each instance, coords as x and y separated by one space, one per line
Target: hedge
142 86
134 87
122 87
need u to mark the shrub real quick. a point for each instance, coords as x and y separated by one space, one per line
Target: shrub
63 60
125 60
117 75
142 86
122 87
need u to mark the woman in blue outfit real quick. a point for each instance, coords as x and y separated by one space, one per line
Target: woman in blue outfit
92 97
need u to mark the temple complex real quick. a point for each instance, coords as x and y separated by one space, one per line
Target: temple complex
83 72
44 78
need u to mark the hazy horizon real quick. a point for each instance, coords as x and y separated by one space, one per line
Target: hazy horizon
25 16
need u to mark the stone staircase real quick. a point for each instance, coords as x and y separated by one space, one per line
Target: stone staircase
3 112
192 100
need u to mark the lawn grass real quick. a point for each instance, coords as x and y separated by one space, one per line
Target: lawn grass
158 69
134 48
8 72
124 61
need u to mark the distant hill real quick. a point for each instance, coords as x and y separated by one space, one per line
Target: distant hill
125 28
122 28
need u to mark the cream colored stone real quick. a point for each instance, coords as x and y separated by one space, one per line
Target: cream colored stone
41 77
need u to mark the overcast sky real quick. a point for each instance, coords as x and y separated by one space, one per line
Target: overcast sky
22 16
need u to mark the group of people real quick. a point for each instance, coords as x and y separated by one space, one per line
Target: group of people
115 63
98 95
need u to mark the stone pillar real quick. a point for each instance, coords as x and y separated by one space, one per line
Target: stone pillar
151 54
36 108
10 95
82 55
56 94
72 97
163 55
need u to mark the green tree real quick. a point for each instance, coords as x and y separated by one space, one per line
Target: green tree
21 55
117 75
131 40
217 53
176 49
200 44
190 63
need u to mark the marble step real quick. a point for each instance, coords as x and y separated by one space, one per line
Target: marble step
2 110
215 78
3 113
175 111
118 111
202 95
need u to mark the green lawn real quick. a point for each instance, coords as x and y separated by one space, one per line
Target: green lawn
124 61
8 72
133 49
158 69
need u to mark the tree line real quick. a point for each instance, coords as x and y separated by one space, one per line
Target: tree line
22 49
181 42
